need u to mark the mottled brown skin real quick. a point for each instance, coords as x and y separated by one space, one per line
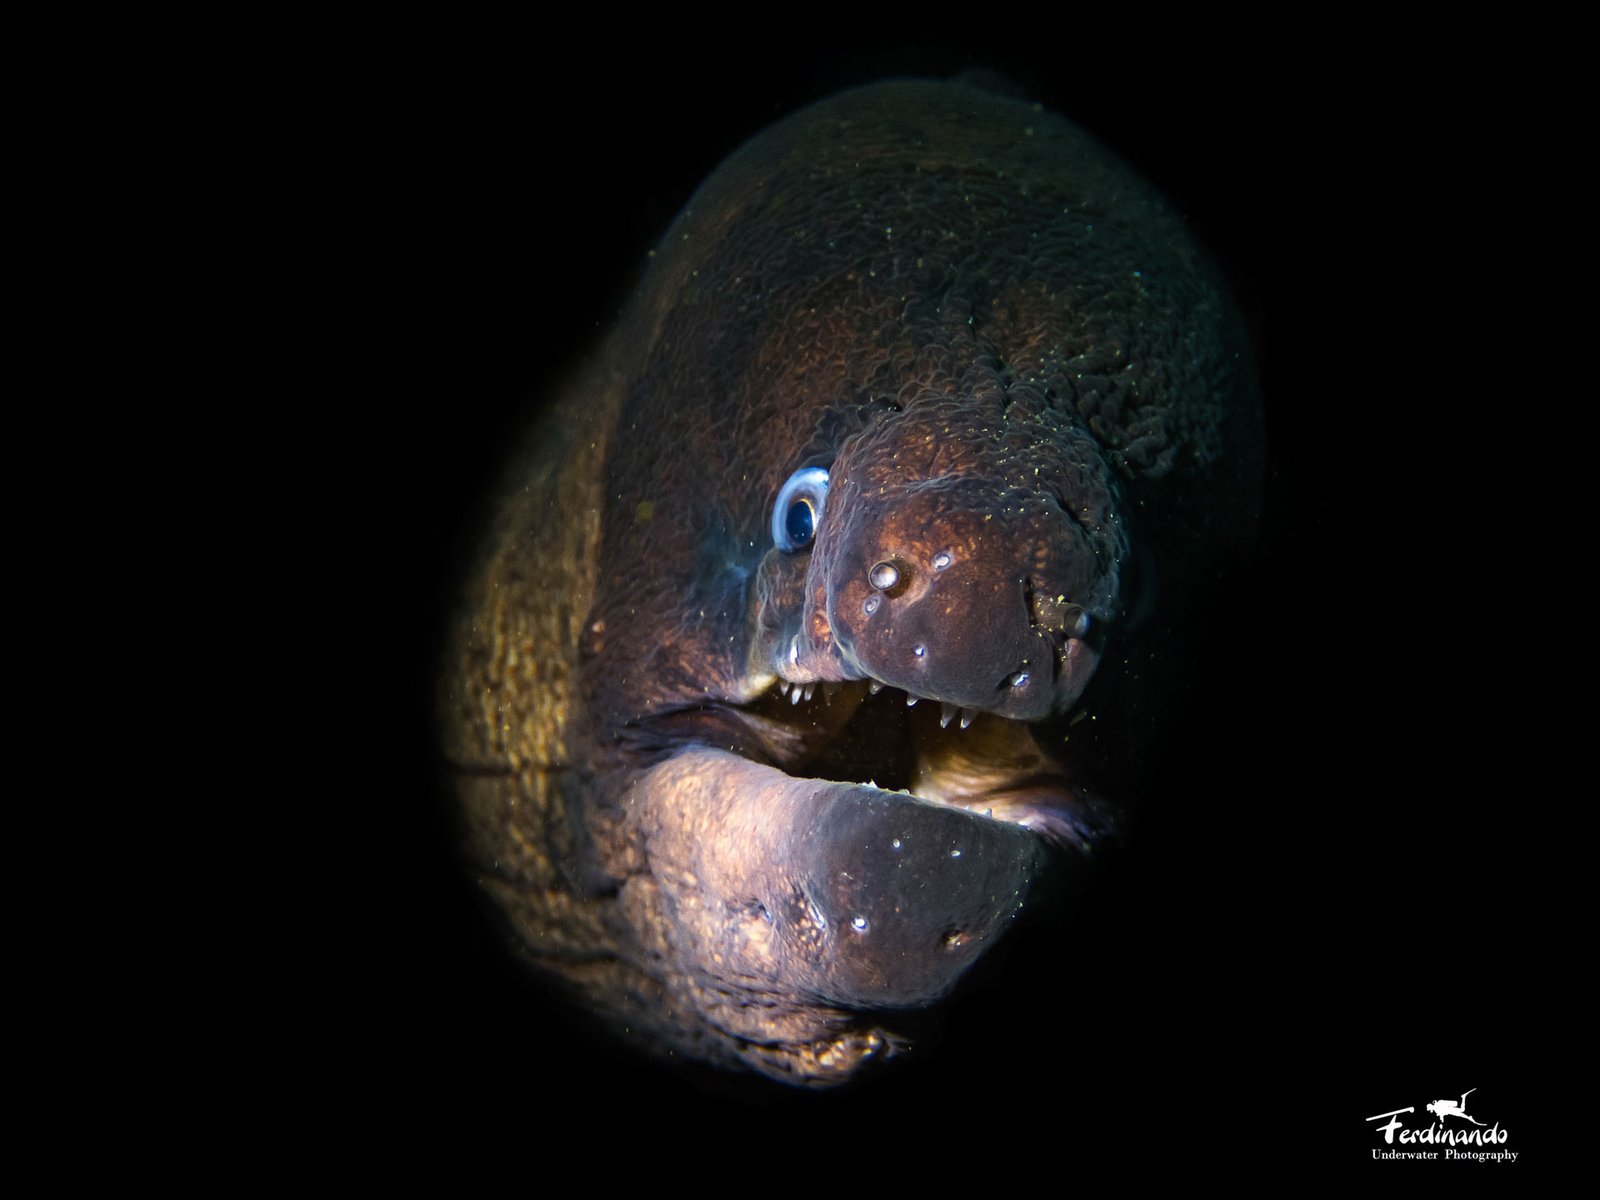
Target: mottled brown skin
1007 354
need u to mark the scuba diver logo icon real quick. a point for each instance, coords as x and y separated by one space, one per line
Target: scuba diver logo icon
1453 1108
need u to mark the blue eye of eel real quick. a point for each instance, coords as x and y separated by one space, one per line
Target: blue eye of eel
798 510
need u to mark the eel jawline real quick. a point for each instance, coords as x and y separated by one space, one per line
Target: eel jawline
856 896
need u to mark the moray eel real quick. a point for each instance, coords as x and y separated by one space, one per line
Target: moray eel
760 705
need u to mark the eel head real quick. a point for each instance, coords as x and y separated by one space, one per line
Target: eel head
863 808
863 536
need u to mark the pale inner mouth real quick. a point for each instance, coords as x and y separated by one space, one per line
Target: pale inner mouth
872 733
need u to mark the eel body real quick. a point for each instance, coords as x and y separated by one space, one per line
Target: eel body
927 428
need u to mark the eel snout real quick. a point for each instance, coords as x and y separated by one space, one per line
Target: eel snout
951 591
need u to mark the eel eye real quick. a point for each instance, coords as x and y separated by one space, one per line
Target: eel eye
798 511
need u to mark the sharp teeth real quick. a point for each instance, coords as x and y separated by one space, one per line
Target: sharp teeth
874 687
783 686
966 718
910 699
794 696
811 689
946 712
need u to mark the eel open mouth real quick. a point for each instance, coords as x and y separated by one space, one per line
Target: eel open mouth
929 630
865 731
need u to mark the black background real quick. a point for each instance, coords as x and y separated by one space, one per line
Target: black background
1328 913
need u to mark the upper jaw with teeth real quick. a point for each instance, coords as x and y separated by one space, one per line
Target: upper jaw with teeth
797 691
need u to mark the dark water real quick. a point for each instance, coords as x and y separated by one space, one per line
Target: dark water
1327 917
